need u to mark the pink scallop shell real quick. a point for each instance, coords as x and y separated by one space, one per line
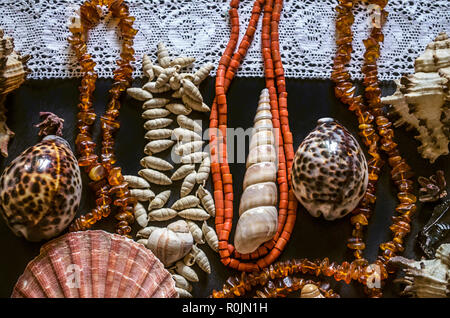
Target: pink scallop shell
94 264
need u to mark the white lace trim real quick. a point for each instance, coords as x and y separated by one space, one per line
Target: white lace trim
200 28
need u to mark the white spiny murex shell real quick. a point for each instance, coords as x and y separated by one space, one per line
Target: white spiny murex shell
210 236
156 102
258 216
186 271
156 146
163 55
154 176
185 135
136 182
151 87
195 157
142 194
195 214
162 214
171 243
157 123
178 109
202 73
182 172
422 99
181 282
196 232
147 67
156 163
187 123
157 134
186 202
140 214
203 171
188 184
188 148
155 113
139 93
94 264
160 200
201 259
426 278
329 172
207 200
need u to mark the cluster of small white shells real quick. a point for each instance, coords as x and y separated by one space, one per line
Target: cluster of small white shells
180 95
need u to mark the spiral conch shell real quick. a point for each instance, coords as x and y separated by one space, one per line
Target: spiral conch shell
258 215
171 243
422 99
329 173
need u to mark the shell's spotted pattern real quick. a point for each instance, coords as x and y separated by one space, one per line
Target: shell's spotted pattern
329 173
41 190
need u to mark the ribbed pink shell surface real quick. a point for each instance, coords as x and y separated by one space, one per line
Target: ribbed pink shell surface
94 264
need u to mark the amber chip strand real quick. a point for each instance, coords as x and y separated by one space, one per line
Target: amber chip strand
107 181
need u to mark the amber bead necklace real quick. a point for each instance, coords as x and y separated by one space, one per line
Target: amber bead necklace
359 269
107 180
222 178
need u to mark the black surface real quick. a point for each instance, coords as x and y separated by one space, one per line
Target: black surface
308 101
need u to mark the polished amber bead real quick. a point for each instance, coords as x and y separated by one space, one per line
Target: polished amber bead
97 173
87 160
406 197
115 176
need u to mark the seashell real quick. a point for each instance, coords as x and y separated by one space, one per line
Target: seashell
203 171
156 146
329 173
157 123
178 109
171 243
258 217
147 67
145 232
182 149
140 214
163 55
94 264
195 157
182 172
191 90
136 182
182 61
202 73
195 105
185 135
164 76
41 190
154 176
157 69
188 184
156 163
207 200
155 113
160 200
142 194
189 259
174 81
156 134
162 214
196 232
421 99
142 241
181 282
178 93
255 226
139 93
187 76
151 87
183 293
195 214
201 259
187 202
156 102
210 237
426 278
190 124
186 271
311 291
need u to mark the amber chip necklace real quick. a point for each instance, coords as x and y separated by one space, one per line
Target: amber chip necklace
106 180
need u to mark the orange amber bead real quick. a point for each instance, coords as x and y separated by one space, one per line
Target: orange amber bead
115 176
97 173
